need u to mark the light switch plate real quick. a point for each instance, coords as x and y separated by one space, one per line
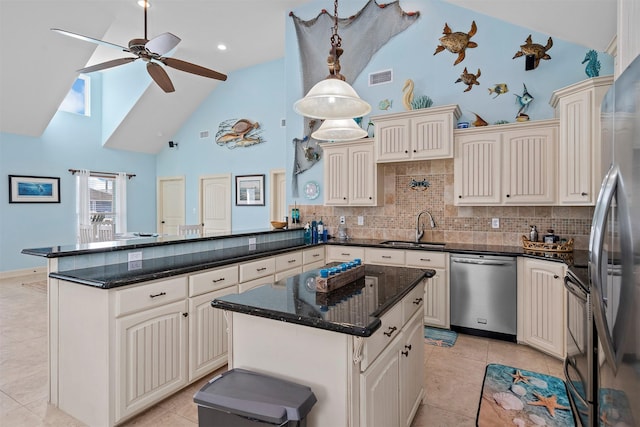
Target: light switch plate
495 223
360 220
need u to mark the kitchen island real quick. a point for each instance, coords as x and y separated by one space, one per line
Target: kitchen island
360 347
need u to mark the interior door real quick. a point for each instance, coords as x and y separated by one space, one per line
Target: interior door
171 202
278 199
215 203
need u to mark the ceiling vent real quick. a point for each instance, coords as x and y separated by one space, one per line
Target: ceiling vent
380 77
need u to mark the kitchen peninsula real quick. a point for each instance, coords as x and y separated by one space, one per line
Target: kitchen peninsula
359 347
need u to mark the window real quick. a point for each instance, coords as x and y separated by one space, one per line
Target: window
102 199
101 204
78 100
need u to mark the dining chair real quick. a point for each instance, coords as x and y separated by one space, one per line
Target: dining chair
105 232
191 230
85 234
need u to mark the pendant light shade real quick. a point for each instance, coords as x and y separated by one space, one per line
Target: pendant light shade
332 99
339 130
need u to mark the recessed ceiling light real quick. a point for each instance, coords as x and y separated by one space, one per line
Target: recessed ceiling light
143 3
222 46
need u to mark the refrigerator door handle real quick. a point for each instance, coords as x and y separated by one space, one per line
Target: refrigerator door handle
596 245
572 388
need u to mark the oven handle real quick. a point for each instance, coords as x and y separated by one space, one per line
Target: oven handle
573 390
575 289
478 262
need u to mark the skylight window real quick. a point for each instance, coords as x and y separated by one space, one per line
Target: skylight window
78 99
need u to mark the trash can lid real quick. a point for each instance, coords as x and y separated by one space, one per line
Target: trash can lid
257 396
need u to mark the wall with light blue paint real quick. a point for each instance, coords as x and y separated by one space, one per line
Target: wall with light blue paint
70 141
256 94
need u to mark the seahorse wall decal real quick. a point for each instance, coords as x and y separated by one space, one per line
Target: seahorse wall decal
593 65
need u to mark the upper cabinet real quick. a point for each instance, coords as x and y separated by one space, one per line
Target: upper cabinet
511 164
580 169
351 174
415 135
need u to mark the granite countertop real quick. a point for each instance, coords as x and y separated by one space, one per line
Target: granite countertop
354 309
116 275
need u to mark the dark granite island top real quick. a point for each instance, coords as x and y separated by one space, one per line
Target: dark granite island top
354 309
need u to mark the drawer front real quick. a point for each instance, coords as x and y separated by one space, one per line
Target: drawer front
384 256
412 302
253 270
425 259
288 261
208 281
313 255
390 328
150 295
344 253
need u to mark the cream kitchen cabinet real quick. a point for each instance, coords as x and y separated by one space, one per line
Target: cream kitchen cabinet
416 135
436 288
313 258
512 164
336 253
541 305
580 167
351 174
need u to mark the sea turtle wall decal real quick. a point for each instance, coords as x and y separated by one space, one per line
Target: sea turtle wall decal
234 133
536 50
469 79
457 42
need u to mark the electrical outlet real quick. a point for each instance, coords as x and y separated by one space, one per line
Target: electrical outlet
360 220
134 256
495 223
342 220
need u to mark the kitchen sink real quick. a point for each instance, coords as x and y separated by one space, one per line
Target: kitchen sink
413 245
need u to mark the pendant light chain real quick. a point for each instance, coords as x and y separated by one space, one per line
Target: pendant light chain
336 40
336 48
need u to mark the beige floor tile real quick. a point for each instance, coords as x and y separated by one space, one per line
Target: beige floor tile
452 395
517 355
430 416
455 366
52 415
7 404
21 417
468 346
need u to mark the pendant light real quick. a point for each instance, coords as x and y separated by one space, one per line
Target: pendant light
339 130
332 98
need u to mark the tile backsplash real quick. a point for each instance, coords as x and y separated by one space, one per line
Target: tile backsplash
395 218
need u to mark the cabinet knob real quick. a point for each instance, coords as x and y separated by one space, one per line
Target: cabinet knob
185 314
555 276
415 151
408 347
406 151
157 295
583 193
508 195
344 198
217 280
370 198
417 301
459 197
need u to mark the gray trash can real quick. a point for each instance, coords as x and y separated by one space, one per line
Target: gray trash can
241 398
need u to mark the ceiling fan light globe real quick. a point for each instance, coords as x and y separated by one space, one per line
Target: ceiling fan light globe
339 130
332 99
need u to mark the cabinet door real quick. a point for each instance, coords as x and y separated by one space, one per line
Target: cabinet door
336 190
477 169
336 253
380 389
431 137
150 352
436 300
544 299
412 370
362 175
530 165
392 139
208 340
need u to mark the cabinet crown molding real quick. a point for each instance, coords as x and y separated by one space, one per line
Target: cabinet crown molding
533 124
453 108
578 87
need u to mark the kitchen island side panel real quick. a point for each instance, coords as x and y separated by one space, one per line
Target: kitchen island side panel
317 358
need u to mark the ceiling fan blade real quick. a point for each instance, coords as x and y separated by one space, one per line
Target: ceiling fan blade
160 76
108 64
162 44
192 68
89 39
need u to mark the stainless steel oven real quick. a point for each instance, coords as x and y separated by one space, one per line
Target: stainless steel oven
579 364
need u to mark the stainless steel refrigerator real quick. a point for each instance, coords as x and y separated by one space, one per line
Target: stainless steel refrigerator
614 259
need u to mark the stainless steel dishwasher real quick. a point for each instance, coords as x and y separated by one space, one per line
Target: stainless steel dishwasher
483 295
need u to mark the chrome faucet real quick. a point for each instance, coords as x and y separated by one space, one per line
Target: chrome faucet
420 233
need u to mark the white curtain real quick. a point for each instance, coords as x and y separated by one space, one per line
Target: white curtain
82 200
121 202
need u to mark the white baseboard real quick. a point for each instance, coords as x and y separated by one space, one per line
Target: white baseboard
24 272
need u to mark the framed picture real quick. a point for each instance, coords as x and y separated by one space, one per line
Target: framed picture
250 190
34 189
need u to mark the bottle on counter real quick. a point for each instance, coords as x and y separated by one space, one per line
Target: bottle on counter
533 235
323 233
307 233
550 237
314 232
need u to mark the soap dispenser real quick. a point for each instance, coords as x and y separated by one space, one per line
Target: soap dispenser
533 235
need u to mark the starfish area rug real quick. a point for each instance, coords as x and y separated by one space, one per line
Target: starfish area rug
440 337
516 397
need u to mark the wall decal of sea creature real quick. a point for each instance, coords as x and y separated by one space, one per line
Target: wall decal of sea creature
593 65
407 98
419 185
457 42
423 101
234 133
523 100
469 79
537 50
498 89
385 104
479 121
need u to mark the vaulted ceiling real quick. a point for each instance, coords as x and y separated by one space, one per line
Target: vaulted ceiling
37 66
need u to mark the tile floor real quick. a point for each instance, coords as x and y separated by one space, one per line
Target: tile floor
453 376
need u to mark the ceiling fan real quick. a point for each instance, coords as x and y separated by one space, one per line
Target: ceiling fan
151 52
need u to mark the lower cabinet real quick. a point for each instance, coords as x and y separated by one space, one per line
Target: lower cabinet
436 300
541 305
